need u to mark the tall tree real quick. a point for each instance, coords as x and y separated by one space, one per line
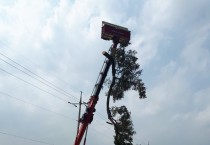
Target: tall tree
127 77
128 74
124 125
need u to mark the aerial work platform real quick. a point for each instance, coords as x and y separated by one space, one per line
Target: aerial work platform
110 31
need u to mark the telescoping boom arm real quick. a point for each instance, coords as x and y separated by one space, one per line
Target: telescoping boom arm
117 34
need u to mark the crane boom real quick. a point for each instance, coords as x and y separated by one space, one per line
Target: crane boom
117 34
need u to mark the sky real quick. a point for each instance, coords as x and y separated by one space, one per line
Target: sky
51 46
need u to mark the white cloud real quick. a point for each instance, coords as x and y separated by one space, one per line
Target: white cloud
61 41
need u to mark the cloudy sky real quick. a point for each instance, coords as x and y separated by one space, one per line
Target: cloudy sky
51 46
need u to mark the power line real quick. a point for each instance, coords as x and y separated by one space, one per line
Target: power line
34 86
108 135
101 116
40 107
110 129
61 115
5 44
52 86
25 138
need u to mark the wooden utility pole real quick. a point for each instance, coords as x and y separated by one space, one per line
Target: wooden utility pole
79 114
80 103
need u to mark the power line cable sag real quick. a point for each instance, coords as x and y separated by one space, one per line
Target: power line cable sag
97 113
40 107
100 115
54 87
25 138
101 132
34 86
61 115
43 81
35 78
55 112
17 136
35 64
110 129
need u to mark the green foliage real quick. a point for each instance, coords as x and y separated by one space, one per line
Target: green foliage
128 74
124 125
127 77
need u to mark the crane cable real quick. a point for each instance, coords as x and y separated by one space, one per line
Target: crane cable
113 121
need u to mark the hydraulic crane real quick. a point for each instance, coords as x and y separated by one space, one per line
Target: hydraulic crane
119 35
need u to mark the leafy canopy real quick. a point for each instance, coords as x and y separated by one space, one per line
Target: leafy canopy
124 125
128 74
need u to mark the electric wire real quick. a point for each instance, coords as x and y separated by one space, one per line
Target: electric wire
101 116
53 95
25 138
33 77
110 129
17 136
37 106
52 86
34 86
102 132
59 114
56 113
5 44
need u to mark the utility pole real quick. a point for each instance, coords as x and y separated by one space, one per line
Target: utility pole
79 113
80 103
